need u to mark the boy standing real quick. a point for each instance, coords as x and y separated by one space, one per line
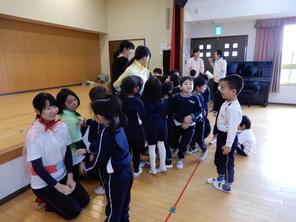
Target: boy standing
229 117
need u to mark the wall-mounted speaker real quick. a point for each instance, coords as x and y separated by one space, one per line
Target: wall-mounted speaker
181 3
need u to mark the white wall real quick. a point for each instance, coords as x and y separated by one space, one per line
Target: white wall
82 14
226 9
134 19
286 95
13 177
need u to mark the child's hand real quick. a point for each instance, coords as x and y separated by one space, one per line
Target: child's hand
187 119
226 150
81 168
65 189
70 182
185 125
80 121
91 157
81 151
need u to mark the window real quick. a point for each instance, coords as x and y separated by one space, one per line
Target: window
288 71
201 47
208 54
226 46
234 53
226 53
201 54
235 45
209 46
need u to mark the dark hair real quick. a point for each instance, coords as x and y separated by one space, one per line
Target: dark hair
141 52
245 121
128 85
234 82
157 70
96 92
125 44
167 87
175 79
109 107
62 96
205 76
195 50
199 81
192 72
184 78
172 72
220 53
152 90
39 102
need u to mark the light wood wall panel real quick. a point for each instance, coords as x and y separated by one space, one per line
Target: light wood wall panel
34 56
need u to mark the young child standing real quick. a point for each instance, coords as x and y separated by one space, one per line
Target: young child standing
133 108
156 109
246 137
111 155
229 118
199 88
206 97
68 103
49 154
187 109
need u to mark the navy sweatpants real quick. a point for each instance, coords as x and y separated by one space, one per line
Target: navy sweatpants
225 163
136 141
181 138
168 141
207 127
198 136
118 191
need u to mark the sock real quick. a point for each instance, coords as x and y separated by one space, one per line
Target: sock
152 156
162 153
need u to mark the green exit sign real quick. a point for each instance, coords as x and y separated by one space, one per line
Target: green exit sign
218 30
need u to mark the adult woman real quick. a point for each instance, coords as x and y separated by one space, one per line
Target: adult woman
195 63
121 59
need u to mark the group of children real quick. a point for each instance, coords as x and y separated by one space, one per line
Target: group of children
166 116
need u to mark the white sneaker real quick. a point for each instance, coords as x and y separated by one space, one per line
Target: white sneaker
213 180
161 169
213 141
153 171
99 191
139 173
203 155
142 163
169 166
180 164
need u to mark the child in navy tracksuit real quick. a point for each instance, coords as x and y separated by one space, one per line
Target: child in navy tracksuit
133 108
111 155
207 97
187 109
228 120
199 88
167 92
156 109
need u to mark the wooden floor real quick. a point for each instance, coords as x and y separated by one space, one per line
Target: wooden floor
264 188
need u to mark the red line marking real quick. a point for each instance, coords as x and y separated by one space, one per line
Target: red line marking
184 188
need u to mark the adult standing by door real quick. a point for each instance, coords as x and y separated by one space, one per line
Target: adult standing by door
195 63
121 60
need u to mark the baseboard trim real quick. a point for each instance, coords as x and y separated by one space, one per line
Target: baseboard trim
14 194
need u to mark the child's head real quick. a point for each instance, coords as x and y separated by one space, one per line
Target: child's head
205 76
192 72
46 106
200 84
152 90
175 71
186 84
67 99
231 86
175 79
130 86
167 88
107 111
157 72
96 92
245 123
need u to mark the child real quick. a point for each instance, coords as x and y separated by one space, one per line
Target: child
111 155
156 111
167 93
48 152
175 79
206 96
133 108
246 137
92 132
192 73
68 103
229 117
199 88
157 72
187 109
